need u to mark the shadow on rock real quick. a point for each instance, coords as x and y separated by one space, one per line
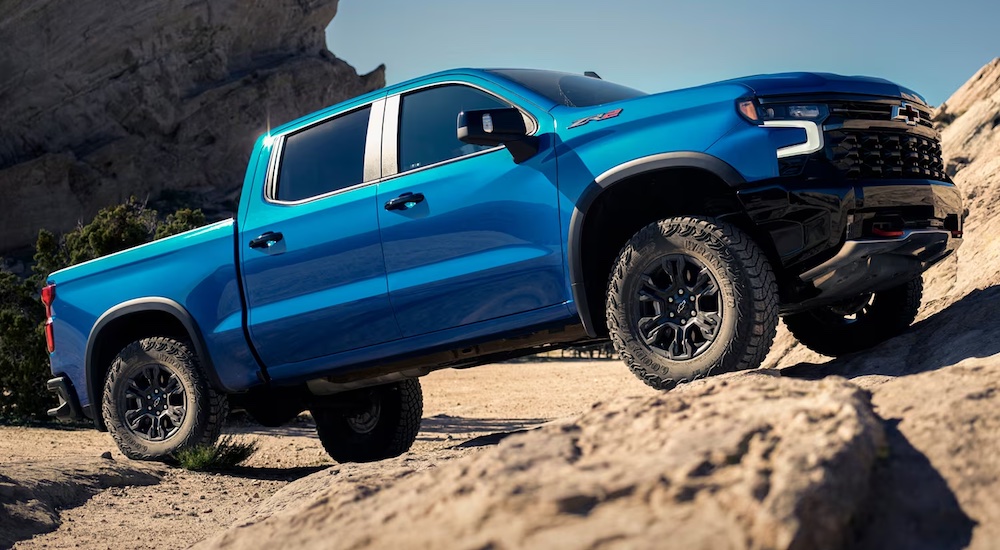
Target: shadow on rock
446 424
273 474
911 505
967 328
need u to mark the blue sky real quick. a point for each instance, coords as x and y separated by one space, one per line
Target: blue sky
932 47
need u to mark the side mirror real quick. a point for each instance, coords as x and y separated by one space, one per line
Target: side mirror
494 127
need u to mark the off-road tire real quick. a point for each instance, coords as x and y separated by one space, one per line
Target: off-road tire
401 407
747 299
206 408
889 314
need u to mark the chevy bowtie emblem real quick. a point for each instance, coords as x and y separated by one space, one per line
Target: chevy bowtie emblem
906 112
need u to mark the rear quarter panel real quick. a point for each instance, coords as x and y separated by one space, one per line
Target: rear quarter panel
195 269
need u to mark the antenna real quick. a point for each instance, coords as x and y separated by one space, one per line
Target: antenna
592 74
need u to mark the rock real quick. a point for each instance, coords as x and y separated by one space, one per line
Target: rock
107 455
31 494
750 460
161 100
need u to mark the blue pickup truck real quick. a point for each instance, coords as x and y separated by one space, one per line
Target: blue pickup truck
473 216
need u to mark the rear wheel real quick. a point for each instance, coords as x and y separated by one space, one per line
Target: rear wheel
157 401
371 424
859 323
691 297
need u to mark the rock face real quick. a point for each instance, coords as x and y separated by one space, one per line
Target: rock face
102 100
745 461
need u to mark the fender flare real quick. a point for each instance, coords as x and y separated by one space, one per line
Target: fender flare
679 159
95 388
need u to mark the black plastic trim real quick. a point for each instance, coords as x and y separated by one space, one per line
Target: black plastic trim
142 305
69 405
680 159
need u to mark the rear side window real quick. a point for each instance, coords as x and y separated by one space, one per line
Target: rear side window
428 124
324 158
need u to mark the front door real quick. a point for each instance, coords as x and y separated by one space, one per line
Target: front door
478 237
312 258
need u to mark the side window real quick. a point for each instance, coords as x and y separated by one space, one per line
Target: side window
428 122
324 158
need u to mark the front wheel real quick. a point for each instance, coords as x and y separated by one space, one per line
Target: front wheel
691 297
157 401
370 424
859 323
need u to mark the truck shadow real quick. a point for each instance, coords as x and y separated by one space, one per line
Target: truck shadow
968 328
910 505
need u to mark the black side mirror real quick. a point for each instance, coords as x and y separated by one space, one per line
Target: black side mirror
494 127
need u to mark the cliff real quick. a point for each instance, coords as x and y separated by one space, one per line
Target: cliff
158 99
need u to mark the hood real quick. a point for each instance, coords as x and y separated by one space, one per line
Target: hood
809 83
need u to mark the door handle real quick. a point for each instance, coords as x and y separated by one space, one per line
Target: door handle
404 201
266 240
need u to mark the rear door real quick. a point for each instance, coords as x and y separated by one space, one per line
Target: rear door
313 268
481 239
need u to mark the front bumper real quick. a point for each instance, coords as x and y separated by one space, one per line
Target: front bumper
871 265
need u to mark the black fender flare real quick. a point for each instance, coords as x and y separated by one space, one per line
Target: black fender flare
95 388
679 159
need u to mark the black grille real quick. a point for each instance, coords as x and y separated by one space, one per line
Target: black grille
885 154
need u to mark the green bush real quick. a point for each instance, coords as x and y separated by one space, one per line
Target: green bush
183 220
24 362
24 365
222 456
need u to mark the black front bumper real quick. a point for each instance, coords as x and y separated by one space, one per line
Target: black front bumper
841 238
871 265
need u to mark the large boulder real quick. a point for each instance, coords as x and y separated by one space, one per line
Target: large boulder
102 100
750 460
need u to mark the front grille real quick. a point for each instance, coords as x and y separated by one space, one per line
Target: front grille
881 111
885 154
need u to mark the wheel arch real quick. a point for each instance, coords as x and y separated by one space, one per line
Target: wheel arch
131 321
663 172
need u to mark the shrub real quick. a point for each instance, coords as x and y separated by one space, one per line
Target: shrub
224 455
23 357
180 221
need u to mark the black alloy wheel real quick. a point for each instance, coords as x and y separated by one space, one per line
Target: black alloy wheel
155 403
678 313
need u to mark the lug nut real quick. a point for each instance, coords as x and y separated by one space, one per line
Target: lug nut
683 321
694 314
671 314
681 291
691 298
671 300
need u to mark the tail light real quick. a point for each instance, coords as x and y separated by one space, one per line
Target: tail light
48 297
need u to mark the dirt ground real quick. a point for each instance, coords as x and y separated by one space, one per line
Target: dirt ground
459 407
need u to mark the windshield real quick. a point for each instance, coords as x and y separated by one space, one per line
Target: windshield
571 90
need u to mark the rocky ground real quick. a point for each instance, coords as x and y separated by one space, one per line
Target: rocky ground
465 412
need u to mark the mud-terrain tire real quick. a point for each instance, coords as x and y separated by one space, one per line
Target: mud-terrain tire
847 328
383 425
649 301
158 401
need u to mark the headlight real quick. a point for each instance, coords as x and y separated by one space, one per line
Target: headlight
759 113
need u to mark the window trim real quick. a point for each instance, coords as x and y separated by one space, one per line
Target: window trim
372 158
390 134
